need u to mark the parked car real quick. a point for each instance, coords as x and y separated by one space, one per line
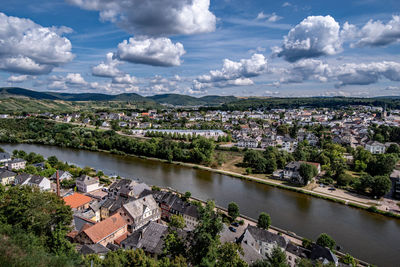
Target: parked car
236 224
232 229
332 189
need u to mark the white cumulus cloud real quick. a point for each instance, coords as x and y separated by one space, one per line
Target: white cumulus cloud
108 68
315 36
28 48
151 51
18 78
233 73
373 33
155 17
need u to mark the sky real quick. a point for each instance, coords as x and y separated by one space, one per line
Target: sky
202 47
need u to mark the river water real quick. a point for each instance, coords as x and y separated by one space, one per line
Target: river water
370 237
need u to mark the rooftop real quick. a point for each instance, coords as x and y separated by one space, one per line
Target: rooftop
76 200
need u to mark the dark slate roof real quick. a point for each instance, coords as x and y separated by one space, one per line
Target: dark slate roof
4 155
112 247
297 250
113 204
122 183
266 236
192 210
87 179
6 173
319 252
36 179
94 249
79 222
16 160
21 178
294 165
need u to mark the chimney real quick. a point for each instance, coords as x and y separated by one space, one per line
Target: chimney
58 184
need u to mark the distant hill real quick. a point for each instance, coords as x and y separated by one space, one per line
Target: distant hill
172 99
185 100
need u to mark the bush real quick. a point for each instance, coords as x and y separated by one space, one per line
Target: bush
324 240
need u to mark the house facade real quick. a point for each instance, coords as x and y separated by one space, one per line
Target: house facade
15 164
87 184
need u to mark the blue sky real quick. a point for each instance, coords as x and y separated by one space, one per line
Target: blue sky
202 47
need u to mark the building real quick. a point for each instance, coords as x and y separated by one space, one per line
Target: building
4 157
140 211
395 178
87 184
77 201
15 164
375 147
41 182
258 243
128 188
6 176
62 175
103 232
247 142
291 171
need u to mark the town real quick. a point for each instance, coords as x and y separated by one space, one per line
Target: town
113 213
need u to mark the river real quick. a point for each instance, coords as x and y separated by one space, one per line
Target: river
370 237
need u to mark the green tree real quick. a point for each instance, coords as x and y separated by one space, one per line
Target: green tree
307 172
344 179
349 260
233 210
324 240
52 160
176 222
381 186
228 255
205 241
276 259
264 220
393 149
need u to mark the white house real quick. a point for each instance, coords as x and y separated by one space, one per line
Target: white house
249 143
62 175
15 164
87 184
33 180
375 147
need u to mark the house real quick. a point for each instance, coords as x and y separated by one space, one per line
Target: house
289 144
258 243
62 175
15 164
41 182
77 201
4 157
6 176
291 171
112 205
103 232
87 184
150 238
165 200
128 188
140 211
395 178
324 255
247 142
375 147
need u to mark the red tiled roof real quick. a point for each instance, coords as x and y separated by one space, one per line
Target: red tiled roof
121 238
102 229
77 200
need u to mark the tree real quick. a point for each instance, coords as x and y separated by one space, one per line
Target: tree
186 196
307 172
382 164
344 179
264 220
205 236
381 186
52 160
276 259
324 240
228 255
233 210
349 260
176 222
394 149
303 262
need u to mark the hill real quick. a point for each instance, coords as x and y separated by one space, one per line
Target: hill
171 99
